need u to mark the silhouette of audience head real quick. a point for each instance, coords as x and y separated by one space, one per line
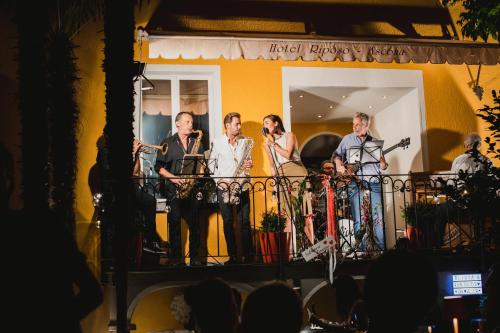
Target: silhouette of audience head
213 306
401 287
271 308
346 294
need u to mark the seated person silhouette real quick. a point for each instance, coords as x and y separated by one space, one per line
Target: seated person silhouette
145 202
271 308
349 308
209 299
400 290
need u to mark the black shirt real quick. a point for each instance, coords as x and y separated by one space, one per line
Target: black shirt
172 161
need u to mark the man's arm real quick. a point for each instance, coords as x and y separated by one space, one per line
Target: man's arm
383 163
170 176
161 166
337 157
287 151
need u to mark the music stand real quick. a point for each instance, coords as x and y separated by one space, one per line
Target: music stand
191 165
195 165
368 153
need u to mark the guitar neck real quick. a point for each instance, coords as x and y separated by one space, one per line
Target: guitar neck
388 150
355 167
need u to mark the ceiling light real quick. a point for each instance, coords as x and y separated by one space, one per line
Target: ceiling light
331 106
291 106
384 97
370 107
344 96
301 96
320 115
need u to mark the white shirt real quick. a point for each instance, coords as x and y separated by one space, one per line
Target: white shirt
467 163
226 156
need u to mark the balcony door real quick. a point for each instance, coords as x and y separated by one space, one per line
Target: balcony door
176 88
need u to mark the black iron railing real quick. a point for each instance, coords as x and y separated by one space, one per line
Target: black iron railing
364 216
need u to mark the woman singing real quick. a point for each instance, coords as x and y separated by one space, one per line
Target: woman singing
282 149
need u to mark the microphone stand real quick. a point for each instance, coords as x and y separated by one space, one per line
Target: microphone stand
279 178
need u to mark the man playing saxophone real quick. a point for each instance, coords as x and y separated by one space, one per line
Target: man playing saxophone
169 166
232 153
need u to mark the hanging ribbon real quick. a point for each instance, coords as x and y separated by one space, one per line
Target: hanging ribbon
330 229
330 212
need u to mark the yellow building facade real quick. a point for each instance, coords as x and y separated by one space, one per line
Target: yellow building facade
254 89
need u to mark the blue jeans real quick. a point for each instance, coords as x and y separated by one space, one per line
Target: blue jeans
355 193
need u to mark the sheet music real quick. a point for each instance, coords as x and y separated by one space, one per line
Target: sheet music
369 152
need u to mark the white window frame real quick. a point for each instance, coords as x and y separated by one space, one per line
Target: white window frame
175 73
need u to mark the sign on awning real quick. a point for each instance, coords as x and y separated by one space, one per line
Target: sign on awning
308 50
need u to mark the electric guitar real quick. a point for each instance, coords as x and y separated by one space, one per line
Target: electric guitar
351 169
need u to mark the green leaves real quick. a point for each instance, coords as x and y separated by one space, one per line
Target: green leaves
418 213
491 114
481 18
271 222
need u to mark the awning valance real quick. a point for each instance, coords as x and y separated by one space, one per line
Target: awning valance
452 52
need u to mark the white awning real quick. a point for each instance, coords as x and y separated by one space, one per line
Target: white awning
452 52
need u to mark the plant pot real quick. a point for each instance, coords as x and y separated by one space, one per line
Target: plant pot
274 246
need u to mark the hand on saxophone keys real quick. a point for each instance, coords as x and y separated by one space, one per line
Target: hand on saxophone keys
177 181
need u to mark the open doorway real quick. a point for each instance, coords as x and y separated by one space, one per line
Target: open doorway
324 100
319 100
318 148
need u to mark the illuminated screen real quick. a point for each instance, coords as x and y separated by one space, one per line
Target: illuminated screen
460 284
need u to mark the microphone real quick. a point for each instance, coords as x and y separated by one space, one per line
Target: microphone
265 131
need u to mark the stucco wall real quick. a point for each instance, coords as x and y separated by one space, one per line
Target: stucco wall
252 88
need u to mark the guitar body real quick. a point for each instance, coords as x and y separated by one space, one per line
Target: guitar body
351 169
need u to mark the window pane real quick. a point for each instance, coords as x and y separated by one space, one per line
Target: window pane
156 120
194 98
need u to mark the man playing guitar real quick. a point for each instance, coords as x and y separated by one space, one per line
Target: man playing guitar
368 208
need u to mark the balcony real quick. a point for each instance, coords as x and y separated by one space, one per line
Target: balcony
420 211
410 211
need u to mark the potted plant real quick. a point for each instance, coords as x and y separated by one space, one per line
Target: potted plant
419 218
274 243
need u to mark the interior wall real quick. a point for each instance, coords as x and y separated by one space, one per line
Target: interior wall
396 122
401 120
304 131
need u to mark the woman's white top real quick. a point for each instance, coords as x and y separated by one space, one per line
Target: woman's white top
281 140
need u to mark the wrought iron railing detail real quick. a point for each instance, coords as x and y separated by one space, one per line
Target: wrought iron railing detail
370 214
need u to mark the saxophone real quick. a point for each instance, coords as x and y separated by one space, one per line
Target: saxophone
232 195
185 190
